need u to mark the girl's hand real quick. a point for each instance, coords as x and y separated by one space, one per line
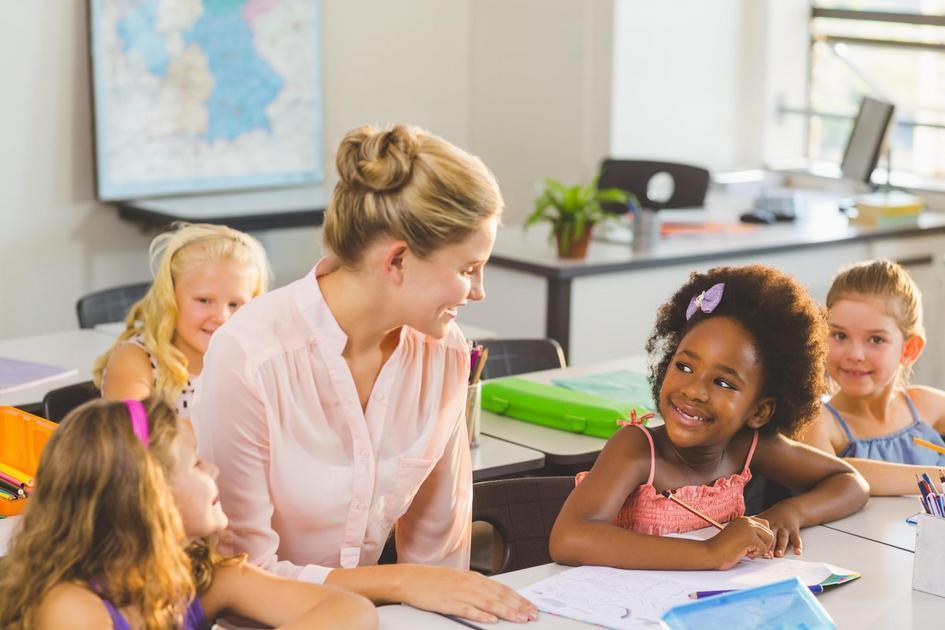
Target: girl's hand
786 526
745 536
465 594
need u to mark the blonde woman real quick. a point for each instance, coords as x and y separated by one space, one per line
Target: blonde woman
119 534
334 405
202 274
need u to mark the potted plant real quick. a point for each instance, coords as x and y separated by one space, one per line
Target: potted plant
573 211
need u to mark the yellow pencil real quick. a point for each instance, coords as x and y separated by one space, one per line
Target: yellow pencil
929 445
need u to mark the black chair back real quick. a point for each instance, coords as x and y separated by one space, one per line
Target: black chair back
57 403
690 183
522 511
518 356
109 305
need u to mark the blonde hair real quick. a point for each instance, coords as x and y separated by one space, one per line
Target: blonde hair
102 514
154 317
406 183
889 283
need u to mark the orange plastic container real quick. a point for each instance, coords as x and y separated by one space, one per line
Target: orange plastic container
22 438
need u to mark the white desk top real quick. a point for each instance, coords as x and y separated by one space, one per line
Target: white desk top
496 458
882 598
72 348
469 331
6 531
883 520
559 447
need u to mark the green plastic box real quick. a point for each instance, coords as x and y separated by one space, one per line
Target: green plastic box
556 407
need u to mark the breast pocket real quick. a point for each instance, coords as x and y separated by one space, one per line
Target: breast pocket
411 473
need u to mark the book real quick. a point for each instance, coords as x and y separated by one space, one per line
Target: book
16 374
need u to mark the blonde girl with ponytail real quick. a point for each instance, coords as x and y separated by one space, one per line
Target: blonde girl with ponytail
334 406
202 274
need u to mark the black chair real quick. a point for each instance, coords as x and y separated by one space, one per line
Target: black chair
517 356
690 183
57 403
522 511
109 305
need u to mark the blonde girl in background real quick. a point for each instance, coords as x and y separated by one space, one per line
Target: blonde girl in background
119 534
876 335
202 274
334 406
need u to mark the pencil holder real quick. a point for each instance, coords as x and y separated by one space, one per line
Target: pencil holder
928 569
473 412
646 230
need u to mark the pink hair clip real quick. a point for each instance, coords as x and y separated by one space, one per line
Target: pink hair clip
139 420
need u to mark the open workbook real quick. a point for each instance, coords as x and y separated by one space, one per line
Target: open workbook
16 374
622 598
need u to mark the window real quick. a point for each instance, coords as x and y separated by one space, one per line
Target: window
888 49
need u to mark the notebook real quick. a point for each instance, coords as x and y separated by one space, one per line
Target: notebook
622 598
16 374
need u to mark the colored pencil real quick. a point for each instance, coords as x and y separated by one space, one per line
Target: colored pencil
711 521
816 588
929 445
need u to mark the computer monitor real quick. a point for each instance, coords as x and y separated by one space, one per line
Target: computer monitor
866 140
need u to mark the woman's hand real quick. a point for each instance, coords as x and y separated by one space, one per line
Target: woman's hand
745 536
785 523
463 593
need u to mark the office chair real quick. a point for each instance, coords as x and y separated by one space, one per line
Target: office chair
57 403
522 511
109 305
690 183
517 356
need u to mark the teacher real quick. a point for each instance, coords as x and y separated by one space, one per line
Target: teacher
334 406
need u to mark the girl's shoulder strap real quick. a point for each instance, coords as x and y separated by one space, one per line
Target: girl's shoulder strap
751 452
118 621
843 424
649 438
912 408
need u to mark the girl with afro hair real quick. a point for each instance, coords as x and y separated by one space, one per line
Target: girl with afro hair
737 369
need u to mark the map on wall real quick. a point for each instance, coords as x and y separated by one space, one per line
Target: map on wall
205 95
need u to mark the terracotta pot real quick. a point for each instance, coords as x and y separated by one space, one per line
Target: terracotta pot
573 248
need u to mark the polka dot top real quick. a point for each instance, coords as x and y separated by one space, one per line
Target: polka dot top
186 398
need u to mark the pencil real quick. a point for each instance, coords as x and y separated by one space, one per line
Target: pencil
929 445
711 521
481 364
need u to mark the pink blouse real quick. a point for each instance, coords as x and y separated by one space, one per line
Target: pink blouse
648 512
308 480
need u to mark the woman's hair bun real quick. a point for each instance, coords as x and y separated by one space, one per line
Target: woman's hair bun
376 160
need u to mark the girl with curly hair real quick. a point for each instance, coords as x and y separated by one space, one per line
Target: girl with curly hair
120 530
876 335
202 274
736 369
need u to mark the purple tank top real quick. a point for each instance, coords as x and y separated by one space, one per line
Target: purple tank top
194 618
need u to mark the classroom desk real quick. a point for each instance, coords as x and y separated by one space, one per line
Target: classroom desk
72 348
497 458
469 331
559 447
603 307
881 598
883 520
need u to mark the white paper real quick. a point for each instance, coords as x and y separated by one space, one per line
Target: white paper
622 598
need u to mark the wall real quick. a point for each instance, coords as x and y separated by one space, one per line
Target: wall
384 61
700 81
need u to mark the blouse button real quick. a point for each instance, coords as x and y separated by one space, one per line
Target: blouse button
380 396
364 453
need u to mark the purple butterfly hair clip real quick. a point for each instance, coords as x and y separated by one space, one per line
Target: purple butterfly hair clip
707 301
